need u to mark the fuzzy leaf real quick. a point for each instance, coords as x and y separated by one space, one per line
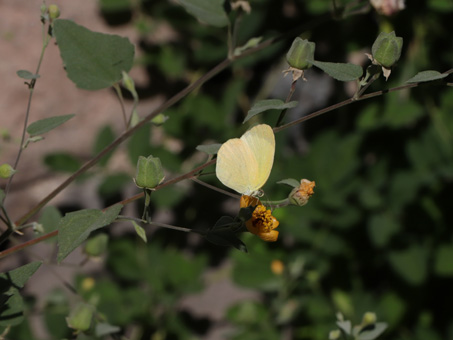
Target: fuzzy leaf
340 71
140 231
290 181
75 227
45 125
24 74
222 235
17 277
427 76
11 302
210 12
210 149
269 104
372 334
93 60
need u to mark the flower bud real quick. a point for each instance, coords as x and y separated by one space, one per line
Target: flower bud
277 267
159 119
335 334
54 11
43 9
96 245
369 318
6 171
386 49
38 228
300 195
301 53
81 317
149 172
128 82
88 284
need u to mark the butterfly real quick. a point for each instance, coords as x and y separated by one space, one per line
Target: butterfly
244 164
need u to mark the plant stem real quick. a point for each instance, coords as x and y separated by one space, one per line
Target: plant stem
196 180
288 98
117 88
163 225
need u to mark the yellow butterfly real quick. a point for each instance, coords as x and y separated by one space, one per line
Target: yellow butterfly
244 164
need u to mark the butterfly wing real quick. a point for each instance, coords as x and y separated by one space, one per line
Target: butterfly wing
235 165
261 142
244 164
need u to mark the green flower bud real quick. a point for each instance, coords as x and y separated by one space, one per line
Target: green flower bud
96 245
386 49
54 12
159 119
301 53
81 317
6 171
128 82
335 334
369 318
43 9
149 172
38 228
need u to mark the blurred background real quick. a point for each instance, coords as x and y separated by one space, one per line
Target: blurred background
375 237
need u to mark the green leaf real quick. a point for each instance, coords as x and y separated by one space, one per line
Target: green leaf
32 140
75 227
11 302
372 334
443 265
391 308
45 125
246 213
50 218
427 76
24 74
340 71
345 325
210 12
12 310
381 228
93 60
269 104
63 162
17 277
210 149
140 231
294 183
103 329
222 235
253 42
105 137
411 264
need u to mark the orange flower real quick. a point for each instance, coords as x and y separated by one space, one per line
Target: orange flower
299 196
262 223
277 267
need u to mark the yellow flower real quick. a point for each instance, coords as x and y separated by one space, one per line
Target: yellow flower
299 196
262 223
